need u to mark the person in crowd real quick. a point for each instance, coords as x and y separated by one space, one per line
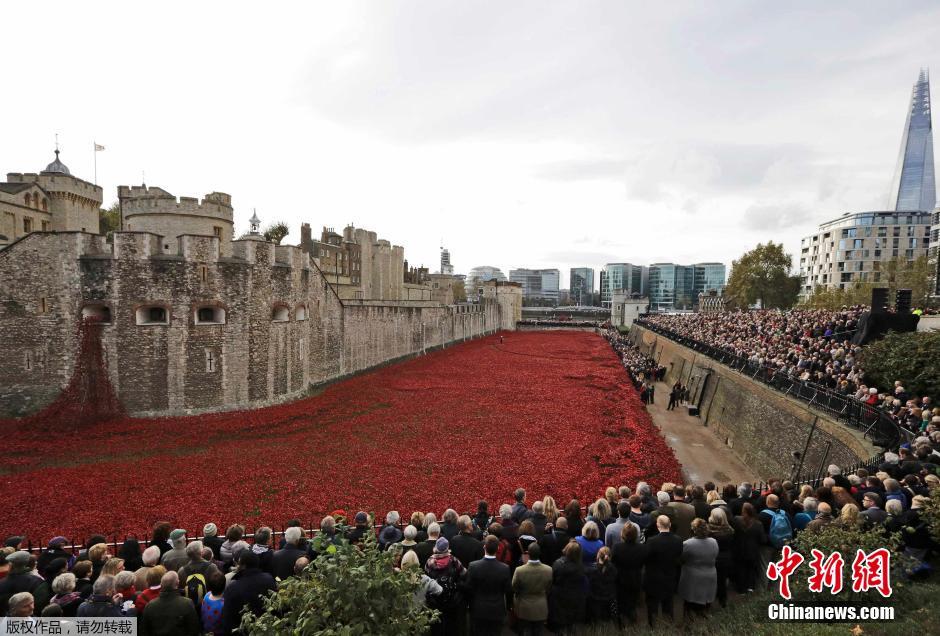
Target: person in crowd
249 585
526 537
4 565
615 529
849 518
98 555
150 558
720 530
698 582
112 566
481 520
53 569
210 610
684 513
425 549
600 514
428 519
233 537
487 583
212 540
554 541
21 578
175 558
823 518
20 605
531 583
427 587
697 500
101 604
602 578
568 600
449 524
465 546
261 547
160 537
328 533
628 556
749 536
194 576
550 508
358 532
664 498
408 543
808 512
538 518
82 571
169 613
573 515
638 516
916 534
54 550
448 572
390 532
873 514
64 594
125 592
152 591
130 553
282 563
661 575
519 510
590 543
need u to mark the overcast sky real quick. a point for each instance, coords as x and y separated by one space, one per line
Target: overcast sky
522 134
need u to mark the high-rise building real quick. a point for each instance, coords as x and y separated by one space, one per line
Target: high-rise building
631 279
852 247
539 285
671 287
446 267
914 185
708 277
581 285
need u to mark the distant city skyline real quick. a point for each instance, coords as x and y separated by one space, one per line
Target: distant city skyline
650 133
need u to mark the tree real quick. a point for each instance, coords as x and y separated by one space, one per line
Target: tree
895 274
763 275
913 358
276 232
460 293
109 220
346 590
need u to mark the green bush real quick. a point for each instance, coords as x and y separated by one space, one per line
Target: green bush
345 591
913 358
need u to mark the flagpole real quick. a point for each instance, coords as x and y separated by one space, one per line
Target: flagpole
94 151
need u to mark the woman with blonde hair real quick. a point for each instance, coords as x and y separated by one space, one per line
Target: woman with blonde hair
848 517
98 555
112 566
805 491
612 495
412 565
600 514
550 509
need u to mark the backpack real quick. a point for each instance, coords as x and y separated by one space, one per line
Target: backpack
780 530
196 588
449 596
504 552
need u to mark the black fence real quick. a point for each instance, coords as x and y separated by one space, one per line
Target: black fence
874 423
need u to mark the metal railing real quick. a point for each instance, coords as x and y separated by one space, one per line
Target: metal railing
874 423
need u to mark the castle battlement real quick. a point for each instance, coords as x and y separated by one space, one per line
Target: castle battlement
154 200
58 182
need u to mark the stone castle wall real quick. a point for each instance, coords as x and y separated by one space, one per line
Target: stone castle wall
284 329
762 426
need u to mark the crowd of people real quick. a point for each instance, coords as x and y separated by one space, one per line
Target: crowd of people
528 566
809 345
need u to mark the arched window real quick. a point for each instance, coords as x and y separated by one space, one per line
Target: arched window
153 315
45 206
99 313
208 315
300 313
280 313
29 200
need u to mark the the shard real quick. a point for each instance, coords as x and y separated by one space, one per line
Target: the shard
913 186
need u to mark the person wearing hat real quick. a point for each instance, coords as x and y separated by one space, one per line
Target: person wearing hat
175 558
841 480
447 571
22 579
212 540
359 531
54 550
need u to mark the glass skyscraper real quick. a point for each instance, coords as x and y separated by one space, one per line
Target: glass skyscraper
581 285
913 187
674 286
632 279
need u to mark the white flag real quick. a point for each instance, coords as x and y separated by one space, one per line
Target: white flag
98 147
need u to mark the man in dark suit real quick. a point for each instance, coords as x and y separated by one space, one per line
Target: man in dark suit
282 563
487 583
661 575
552 543
425 549
466 547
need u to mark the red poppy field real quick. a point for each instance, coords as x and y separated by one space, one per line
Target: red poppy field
551 411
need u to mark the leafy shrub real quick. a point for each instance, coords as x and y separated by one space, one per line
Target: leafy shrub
913 358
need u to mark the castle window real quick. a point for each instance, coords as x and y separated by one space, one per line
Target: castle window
217 230
300 313
210 316
28 361
29 200
211 361
45 226
100 313
280 313
43 307
153 315
45 206
27 225
204 273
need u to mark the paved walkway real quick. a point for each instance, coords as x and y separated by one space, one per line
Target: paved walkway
702 455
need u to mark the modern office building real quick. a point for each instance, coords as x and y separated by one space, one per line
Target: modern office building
852 247
632 279
538 285
581 285
446 267
934 252
484 273
914 185
674 287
